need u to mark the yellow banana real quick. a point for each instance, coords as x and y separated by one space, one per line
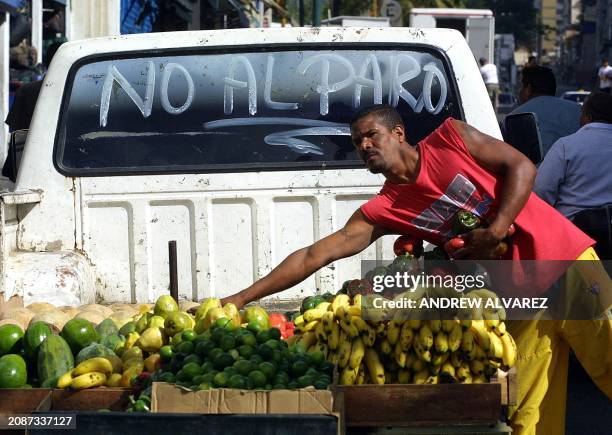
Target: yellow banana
478 353
466 323
425 336
393 331
509 356
357 300
477 367
385 347
497 347
420 377
309 327
97 364
360 375
348 376
113 380
375 368
406 336
454 337
349 328
410 359
357 353
418 365
479 379
333 357
441 342
455 359
340 300
491 319
403 376
320 332
400 356
437 359
422 353
414 323
435 325
354 310
314 314
307 340
88 380
467 340
299 321
481 334
463 372
500 329
448 325
65 380
333 335
447 372
380 328
323 306
344 350
328 321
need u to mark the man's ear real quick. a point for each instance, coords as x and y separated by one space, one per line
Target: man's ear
399 133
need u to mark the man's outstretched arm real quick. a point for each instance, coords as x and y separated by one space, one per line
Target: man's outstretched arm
357 234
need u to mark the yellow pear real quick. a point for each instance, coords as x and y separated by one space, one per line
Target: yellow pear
232 313
206 305
151 340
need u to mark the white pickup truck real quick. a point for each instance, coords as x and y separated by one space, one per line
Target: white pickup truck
235 144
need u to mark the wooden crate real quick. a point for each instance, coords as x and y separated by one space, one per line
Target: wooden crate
428 405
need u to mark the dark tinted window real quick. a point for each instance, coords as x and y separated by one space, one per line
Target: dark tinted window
242 111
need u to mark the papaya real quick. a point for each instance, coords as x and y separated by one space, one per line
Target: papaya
33 338
106 327
79 333
232 313
54 358
165 305
113 342
92 351
13 371
127 328
206 305
257 316
11 338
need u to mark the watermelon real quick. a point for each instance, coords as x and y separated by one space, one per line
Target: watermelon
33 338
54 359
11 337
92 351
79 333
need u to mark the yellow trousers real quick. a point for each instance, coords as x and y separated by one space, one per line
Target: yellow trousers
543 355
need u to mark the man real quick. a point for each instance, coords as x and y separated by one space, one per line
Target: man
488 71
424 185
572 177
556 117
531 62
605 77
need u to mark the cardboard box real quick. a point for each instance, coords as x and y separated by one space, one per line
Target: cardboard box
170 398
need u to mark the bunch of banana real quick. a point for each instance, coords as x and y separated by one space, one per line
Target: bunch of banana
468 348
90 373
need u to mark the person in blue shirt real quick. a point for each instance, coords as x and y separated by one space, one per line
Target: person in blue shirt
556 117
575 174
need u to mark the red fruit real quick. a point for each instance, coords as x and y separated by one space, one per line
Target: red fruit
277 320
289 326
453 244
408 245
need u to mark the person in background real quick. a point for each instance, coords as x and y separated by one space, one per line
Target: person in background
572 177
489 75
531 62
605 76
556 117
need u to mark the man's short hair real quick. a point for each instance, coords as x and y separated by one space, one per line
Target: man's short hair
541 79
599 107
482 60
386 114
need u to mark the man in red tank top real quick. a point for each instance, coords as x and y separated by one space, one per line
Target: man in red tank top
459 168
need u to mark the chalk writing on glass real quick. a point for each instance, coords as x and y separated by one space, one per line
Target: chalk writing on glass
164 89
231 83
268 90
362 81
113 75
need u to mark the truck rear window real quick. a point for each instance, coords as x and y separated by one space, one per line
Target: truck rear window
241 111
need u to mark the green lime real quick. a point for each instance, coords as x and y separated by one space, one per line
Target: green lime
246 351
191 370
192 358
185 347
167 377
298 368
264 351
321 385
165 352
256 359
208 377
324 378
279 387
197 380
204 347
304 381
249 383
254 327
181 376
312 372
326 367
228 342
230 371
268 369
292 385
263 336
237 381
207 367
222 361
273 344
188 335
235 354
214 353
267 387
220 380
281 378
223 323
248 339
277 356
316 357
274 333
204 386
217 334
258 378
243 367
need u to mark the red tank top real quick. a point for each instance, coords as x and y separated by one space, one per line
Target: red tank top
450 180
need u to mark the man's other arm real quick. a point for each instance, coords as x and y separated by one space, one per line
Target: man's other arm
518 174
357 234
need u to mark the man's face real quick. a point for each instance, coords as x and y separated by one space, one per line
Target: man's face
524 93
375 143
605 63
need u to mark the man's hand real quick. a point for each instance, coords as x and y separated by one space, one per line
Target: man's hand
234 299
481 244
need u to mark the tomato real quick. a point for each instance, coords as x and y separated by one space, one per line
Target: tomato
453 244
278 320
408 245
